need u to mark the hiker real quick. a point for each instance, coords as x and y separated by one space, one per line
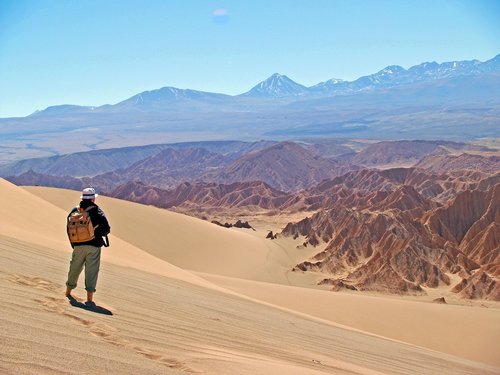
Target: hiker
87 225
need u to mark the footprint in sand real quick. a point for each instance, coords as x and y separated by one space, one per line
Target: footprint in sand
52 304
103 331
35 282
110 334
169 362
44 284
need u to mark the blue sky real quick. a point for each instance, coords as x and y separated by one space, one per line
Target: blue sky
98 52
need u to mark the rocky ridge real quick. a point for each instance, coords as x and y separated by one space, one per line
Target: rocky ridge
389 249
285 166
191 196
465 161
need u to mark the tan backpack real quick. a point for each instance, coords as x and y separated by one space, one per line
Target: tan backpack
80 228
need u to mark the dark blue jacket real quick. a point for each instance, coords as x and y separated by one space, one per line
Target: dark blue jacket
99 221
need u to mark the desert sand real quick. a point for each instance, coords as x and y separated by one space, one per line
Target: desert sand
166 319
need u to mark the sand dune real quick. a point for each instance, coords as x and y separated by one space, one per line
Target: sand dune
434 326
163 325
168 320
35 220
187 242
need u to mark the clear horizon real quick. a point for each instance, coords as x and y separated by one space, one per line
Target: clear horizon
94 53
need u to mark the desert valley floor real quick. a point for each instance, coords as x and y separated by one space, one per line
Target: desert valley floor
190 296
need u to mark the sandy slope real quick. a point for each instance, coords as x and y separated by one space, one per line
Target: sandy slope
187 242
435 326
165 323
28 217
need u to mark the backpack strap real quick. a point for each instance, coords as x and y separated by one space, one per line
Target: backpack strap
79 209
75 209
87 210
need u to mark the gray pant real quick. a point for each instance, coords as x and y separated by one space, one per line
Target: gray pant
90 257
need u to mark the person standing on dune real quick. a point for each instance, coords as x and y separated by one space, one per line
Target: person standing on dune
86 227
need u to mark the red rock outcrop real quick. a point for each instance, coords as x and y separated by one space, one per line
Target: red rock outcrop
440 300
480 285
372 186
208 195
31 178
375 251
405 242
471 223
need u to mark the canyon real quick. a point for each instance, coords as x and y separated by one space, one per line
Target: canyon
397 217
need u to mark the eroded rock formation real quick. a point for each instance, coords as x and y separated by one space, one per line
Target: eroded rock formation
404 242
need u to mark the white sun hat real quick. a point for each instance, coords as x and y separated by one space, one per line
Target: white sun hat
89 193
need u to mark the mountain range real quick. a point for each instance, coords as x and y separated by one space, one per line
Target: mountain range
454 101
279 86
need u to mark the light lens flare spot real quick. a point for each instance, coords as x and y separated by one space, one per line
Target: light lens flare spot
220 15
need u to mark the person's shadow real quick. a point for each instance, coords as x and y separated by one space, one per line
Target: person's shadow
89 306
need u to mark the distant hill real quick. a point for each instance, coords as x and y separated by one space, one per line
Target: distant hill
166 169
285 166
92 163
172 99
31 178
62 110
465 161
82 163
385 153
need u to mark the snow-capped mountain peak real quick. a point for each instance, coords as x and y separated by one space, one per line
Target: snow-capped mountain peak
392 69
277 85
331 85
168 94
